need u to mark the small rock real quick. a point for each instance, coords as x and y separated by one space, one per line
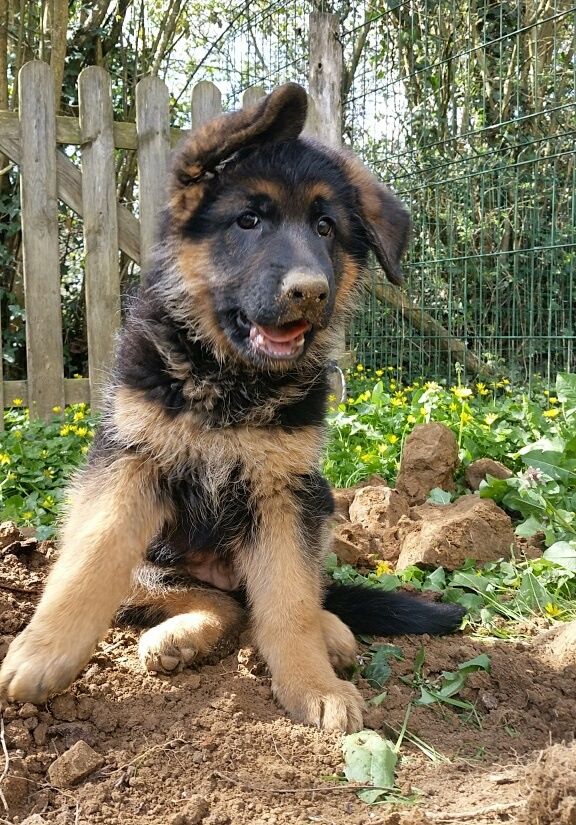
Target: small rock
448 534
27 711
9 533
15 789
17 734
479 469
64 707
378 507
193 812
74 765
353 544
429 459
35 819
40 733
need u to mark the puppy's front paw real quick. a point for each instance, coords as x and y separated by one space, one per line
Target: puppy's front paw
339 640
336 705
38 664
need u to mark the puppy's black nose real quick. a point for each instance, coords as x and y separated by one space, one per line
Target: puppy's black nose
306 291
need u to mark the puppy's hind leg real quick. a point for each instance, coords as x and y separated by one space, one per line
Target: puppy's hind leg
115 513
192 623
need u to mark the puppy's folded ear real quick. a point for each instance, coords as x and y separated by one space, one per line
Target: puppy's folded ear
386 220
278 116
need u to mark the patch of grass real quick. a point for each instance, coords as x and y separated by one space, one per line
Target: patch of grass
37 460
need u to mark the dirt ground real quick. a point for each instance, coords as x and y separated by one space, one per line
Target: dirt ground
211 745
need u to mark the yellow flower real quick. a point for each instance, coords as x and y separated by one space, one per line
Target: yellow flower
366 396
17 402
482 389
84 449
466 418
79 416
490 418
359 368
453 407
423 411
462 392
76 375
383 568
411 419
552 609
17 433
48 502
392 438
47 473
65 430
552 400
5 459
56 410
11 476
379 373
358 448
81 431
432 385
382 448
367 457
397 402
551 413
27 514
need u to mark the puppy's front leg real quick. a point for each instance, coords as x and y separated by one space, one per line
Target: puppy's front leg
116 511
283 584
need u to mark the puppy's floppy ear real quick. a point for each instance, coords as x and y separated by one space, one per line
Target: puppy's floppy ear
386 220
278 116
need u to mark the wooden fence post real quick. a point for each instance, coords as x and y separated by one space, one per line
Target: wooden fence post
206 102
324 119
325 78
100 224
153 134
38 193
252 96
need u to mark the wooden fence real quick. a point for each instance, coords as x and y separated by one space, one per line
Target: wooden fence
32 138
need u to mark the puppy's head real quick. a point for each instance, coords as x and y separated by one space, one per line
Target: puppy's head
271 232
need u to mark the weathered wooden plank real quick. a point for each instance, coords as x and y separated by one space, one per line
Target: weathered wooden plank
252 96
153 130
206 102
39 199
325 78
68 131
324 119
102 271
69 181
76 391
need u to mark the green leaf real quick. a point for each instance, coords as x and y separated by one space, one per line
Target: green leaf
563 554
369 759
529 527
439 496
566 389
554 464
378 671
532 594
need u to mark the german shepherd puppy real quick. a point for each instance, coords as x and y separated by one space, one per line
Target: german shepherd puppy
204 475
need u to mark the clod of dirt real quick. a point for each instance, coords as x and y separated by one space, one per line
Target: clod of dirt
552 785
479 469
194 811
35 819
74 765
9 533
429 459
378 507
63 707
353 544
344 496
448 534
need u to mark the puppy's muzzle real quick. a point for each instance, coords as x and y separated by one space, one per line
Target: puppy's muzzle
304 294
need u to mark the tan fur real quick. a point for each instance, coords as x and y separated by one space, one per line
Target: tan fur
198 619
114 516
285 595
269 457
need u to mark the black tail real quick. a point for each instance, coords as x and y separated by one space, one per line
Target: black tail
390 613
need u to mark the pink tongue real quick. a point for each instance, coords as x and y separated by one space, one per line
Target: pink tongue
282 335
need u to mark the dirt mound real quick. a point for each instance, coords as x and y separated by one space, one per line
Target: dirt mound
212 747
429 459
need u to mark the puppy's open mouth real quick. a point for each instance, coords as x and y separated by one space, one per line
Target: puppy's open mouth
286 341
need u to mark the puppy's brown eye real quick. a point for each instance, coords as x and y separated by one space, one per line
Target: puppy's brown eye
248 220
324 226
